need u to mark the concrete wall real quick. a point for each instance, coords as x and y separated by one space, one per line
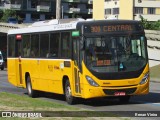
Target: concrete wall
147 3
126 9
98 9
153 43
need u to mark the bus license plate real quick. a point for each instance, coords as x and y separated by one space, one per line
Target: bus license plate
119 93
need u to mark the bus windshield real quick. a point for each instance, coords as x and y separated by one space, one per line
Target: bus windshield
115 53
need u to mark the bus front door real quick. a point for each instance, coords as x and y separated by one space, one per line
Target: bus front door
18 66
77 77
77 73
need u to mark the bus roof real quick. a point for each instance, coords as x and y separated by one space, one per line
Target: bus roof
109 22
64 24
50 25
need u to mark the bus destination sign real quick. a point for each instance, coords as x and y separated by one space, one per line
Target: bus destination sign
109 28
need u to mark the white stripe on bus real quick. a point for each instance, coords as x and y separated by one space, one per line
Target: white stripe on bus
40 59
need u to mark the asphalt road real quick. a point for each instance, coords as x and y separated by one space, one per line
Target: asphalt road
150 102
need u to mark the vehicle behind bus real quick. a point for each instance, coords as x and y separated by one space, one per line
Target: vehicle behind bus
1 61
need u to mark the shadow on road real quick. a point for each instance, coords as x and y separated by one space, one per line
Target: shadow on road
150 98
109 101
49 96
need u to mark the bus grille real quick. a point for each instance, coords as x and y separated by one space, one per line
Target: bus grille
112 92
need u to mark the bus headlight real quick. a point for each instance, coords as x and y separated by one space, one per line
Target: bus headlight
145 78
91 81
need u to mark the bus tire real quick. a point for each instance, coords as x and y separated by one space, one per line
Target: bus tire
124 99
30 91
68 94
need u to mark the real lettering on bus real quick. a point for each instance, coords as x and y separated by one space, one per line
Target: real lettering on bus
111 28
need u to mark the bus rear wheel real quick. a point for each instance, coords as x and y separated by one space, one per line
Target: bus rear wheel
68 93
31 92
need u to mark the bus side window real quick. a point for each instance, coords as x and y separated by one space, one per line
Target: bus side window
44 45
26 46
65 45
54 45
11 46
34 45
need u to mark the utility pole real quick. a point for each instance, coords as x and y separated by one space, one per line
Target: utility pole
58 9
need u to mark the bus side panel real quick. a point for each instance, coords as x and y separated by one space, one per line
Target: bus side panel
30 66
43 81
24 71
12 71
46 75
66 71
55 76
51 75
56 82
33 67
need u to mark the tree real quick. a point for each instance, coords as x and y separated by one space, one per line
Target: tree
8 13
150 25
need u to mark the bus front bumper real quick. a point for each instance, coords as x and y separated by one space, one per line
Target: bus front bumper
98 92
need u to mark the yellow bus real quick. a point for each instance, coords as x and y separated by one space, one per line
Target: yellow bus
80 58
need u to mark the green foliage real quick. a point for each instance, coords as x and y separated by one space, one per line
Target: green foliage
150 25
73 15
154 71
8 13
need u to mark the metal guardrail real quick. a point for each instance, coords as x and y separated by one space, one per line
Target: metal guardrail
10 25
153 38
7 26
154 60
153 44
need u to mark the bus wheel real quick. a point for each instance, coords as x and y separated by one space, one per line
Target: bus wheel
124 99
68 93
31 92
